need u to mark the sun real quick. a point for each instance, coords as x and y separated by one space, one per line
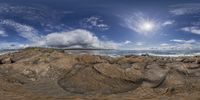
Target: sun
144 25
147 26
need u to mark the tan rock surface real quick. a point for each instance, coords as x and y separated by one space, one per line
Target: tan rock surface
47 74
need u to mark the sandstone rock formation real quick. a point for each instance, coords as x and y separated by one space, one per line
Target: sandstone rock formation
48 74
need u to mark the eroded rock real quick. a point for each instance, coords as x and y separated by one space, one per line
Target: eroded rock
86 80
50 72
155 75
7 61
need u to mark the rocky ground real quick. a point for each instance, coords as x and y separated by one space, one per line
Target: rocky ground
47 74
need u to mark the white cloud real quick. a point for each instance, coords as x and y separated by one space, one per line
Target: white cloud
142 24
140 43
94 22
77 38
193 29
24 31
164 44
191 41
177 44
135 22
178 40
169 22
3 33
12 45
127 42
188 8
48 18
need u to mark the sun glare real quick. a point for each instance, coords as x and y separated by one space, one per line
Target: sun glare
147 26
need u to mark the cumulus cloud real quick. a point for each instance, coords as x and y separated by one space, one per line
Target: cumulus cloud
77 38
94 22
3 33
71 38
192 29
188 8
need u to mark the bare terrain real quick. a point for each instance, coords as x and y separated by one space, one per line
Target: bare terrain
48 74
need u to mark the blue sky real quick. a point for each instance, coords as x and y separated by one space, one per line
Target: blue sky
120 24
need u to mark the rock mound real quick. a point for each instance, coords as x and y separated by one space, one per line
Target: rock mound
85 79
50 74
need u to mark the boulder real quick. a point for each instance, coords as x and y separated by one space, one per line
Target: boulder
154 75
192 66
197 61
7 61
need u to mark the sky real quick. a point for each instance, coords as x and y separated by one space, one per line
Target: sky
108 24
